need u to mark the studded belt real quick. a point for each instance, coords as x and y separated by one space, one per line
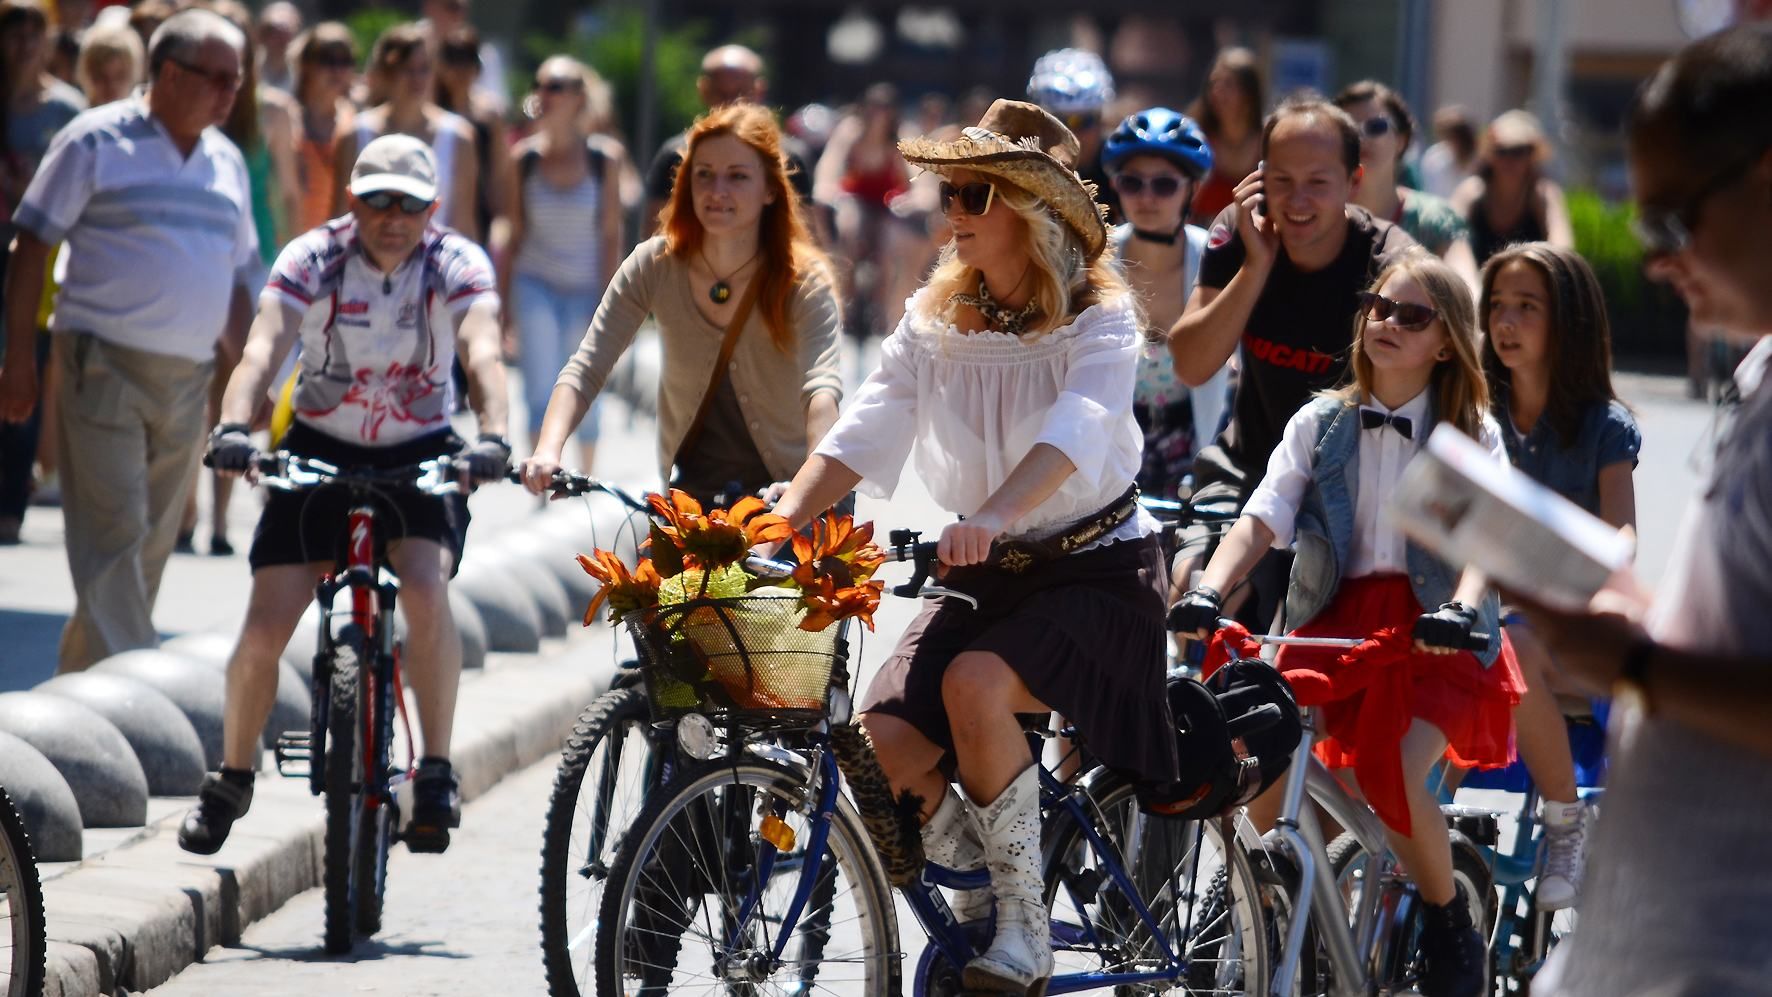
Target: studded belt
1018 556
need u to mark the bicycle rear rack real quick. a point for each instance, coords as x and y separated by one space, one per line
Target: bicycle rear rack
295 754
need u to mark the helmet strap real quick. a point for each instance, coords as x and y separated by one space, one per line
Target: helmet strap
1158 237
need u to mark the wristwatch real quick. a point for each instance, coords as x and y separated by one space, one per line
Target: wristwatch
1632 684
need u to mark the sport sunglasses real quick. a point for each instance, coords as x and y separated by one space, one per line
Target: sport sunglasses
1402 314
974 198
382 200
1132 185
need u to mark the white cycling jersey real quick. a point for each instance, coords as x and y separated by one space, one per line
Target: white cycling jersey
377 350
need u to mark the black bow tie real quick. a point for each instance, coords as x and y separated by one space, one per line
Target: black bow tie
1371 418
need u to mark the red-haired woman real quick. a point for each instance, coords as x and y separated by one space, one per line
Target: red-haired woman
734 261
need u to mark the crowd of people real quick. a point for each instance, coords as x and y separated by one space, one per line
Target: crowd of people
219 226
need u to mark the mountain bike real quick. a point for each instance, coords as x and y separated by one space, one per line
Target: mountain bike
22 944
1311 888
774 842
347 753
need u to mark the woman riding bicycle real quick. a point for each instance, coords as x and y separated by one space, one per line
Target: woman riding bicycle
746 313
1388 718
1011 379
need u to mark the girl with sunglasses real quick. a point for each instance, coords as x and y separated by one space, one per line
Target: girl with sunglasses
1414 364
1510 199
1155 158
1386 130
1544 320
1010 378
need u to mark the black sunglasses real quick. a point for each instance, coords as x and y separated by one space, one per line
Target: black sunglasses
221 79
1666 231
382 200
332 60
974 198
557 86
1376 127
1403 314
1516 151
1132 185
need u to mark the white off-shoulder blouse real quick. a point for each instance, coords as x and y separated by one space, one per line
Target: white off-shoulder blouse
971 406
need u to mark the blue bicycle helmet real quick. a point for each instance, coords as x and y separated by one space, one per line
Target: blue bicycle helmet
1158 131
1071 81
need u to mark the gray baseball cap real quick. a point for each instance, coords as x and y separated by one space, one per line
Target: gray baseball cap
397 163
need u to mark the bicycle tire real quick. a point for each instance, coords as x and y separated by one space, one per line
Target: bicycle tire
723 790
1184 887
377 825
22 942
343 768
578 823
1470 869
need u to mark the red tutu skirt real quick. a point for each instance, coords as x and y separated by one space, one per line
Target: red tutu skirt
1367 698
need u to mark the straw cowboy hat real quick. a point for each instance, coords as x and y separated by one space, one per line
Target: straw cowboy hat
1026 147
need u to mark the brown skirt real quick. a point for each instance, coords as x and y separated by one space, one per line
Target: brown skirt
1084 632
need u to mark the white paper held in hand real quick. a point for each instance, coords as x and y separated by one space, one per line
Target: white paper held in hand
1458 502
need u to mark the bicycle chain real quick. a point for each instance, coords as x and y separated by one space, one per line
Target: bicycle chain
891 821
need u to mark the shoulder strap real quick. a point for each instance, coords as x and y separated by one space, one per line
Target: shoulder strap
733 328
526 165
595 159
1190 265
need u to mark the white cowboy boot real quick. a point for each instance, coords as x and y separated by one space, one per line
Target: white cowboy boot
1019 959
951 839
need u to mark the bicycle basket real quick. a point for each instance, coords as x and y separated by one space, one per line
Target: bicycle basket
742 658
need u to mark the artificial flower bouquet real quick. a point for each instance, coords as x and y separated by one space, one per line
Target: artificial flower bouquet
699 615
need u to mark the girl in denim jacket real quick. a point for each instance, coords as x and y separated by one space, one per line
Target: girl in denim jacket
1545 324
1420 696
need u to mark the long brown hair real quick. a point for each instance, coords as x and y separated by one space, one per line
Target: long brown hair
788 253
328 38
243 120
1580 335
1240 65
1460 395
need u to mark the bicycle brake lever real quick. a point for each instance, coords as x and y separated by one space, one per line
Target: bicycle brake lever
939 592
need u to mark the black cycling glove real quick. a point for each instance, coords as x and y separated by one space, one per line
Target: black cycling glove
1197 612
230 448
1449 627
488 459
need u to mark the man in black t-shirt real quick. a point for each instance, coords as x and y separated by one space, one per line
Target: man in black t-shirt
1282 266
729 74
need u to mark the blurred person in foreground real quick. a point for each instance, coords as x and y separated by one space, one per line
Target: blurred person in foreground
1675 896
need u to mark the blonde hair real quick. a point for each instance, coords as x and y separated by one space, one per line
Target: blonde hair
597 115
102 45
1064 282
1460 392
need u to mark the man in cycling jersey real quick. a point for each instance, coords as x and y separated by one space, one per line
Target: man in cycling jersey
381 300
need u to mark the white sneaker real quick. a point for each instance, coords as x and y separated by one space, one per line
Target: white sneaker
1565 853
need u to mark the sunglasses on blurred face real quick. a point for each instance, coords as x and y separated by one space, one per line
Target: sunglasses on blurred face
1404 315
332 60
1666 231
221 79
557 85
1514 151
1132 185
1376 127
974 198
382 200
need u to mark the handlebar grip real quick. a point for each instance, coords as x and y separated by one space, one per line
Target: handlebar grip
1477 642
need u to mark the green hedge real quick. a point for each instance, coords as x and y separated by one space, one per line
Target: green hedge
1647 318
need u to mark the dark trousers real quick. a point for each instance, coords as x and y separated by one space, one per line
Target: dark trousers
18 441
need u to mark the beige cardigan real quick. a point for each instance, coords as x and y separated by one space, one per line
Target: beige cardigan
651 282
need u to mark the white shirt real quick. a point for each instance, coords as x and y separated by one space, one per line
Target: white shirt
1378 546
376 350
156 241
971 406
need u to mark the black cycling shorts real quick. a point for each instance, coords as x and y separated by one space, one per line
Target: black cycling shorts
302 527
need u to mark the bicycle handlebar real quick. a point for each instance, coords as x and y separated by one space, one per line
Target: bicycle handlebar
566 484
284 471
1475 642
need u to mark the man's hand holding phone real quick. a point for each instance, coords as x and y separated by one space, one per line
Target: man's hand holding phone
1261 238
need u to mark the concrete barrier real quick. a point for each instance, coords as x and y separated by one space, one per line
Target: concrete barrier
532 542
295 697
43 799
512 623
471 628
196 689
164 741
552 607
88 750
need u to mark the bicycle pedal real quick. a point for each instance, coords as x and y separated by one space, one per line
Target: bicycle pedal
295 753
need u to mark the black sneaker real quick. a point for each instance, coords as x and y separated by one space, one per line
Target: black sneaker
436 807
221 801
1456 960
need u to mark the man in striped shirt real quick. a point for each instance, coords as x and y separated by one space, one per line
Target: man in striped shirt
154 205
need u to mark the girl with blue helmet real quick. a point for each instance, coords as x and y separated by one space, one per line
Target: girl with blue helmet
1155 159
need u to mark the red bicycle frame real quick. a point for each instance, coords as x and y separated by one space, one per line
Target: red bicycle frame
360 564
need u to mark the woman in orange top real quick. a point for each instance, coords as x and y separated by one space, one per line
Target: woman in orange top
325 58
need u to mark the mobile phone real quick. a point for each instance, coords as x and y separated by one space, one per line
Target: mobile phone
1259 210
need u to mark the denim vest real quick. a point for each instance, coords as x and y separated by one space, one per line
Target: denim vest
1325 530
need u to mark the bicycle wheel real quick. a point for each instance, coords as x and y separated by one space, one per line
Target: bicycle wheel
376 824
22 944
1352 867
609 765
684 911
1200 889
344 774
